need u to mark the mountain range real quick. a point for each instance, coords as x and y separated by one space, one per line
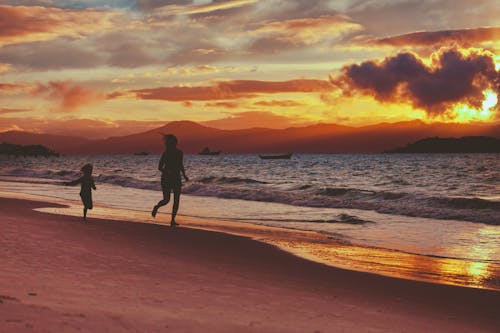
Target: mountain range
319 138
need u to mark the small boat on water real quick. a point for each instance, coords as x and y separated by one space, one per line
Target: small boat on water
276 157
207 152
142 153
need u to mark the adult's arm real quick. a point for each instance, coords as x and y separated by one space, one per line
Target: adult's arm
182 167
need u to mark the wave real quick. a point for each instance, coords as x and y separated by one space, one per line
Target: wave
126 181
342 218
399 203
229 180
468 203
466 209
49 174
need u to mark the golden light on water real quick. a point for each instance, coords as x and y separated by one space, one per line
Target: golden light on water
464 113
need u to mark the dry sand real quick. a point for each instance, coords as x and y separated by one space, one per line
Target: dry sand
58 274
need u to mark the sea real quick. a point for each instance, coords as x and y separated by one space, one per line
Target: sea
444 206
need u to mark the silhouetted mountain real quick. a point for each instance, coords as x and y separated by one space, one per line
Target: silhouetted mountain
30 150
468 144
319 138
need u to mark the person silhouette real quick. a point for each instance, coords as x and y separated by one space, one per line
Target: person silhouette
86 185
171 165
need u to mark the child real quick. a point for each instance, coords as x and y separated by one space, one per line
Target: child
87 184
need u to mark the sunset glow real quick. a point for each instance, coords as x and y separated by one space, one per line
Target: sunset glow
133 65
464 113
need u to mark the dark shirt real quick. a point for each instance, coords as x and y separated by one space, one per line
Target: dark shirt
171 163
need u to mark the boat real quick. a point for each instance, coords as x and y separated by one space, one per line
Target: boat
142 153
207 152
276 157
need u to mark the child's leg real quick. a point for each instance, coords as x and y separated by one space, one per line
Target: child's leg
84 213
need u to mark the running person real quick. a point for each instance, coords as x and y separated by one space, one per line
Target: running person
171 166
87 184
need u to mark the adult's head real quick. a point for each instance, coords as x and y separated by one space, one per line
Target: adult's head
170 140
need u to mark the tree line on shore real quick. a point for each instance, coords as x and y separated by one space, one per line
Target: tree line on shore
29 150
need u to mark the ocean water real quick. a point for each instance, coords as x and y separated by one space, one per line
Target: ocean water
445 206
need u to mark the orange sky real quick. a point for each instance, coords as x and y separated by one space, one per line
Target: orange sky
100 68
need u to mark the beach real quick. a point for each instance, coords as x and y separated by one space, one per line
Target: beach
61 275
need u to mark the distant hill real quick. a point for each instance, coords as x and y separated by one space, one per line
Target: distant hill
319 138
58 143
30 150
468 144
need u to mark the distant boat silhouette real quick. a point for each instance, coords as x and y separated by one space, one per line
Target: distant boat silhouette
276 157
142 153
207 151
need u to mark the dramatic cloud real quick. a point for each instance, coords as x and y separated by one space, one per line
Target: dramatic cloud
462 37
232 90
27 24
451 78
68 96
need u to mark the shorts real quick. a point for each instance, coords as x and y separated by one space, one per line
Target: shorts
169 184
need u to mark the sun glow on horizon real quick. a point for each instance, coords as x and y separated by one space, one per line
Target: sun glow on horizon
464 113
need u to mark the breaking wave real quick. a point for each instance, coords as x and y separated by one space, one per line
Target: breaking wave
390 202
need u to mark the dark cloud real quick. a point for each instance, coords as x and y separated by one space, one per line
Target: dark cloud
452 78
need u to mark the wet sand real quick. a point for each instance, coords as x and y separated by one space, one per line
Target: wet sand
58 274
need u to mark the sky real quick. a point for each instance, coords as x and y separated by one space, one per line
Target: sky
106 68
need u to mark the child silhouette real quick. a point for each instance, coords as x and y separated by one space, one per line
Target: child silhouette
87 184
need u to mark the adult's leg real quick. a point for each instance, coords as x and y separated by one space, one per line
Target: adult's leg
166 199
175 207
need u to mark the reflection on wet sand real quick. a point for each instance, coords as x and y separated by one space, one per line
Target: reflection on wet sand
324 248
400 264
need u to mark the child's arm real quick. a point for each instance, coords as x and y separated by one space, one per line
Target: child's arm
74 182
93 184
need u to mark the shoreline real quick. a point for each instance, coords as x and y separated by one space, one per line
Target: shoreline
311 245
61 274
